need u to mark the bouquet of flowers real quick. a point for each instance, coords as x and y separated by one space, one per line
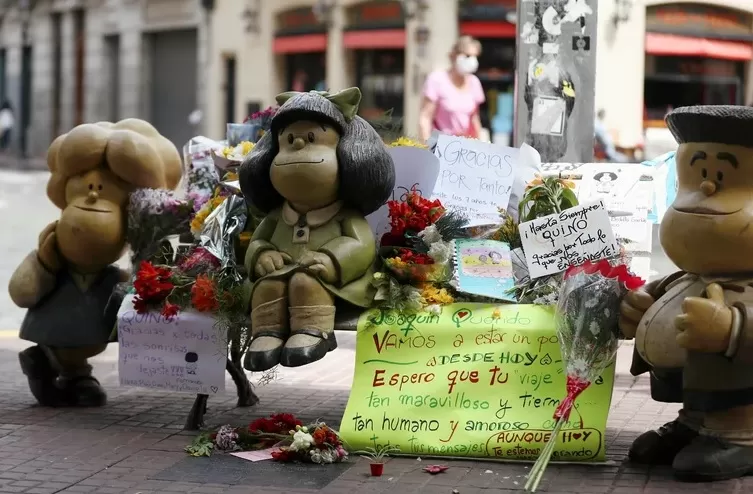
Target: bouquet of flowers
154 215
586 321
294 442
262 433
317 443
196 283
416 254
237 153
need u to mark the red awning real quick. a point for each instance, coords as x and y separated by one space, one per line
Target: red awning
687 46
374 39
488 29
303 43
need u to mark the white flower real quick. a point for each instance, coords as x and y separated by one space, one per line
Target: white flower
440 252
430 235
316 457
301 441
594 328
578 367
328 456
434 309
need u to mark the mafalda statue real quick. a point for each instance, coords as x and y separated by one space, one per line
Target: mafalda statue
694 329
65 284
316 174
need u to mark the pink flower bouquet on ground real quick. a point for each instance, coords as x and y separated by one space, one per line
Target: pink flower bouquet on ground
586 321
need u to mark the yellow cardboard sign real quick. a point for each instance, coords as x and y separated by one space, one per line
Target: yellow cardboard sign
476 381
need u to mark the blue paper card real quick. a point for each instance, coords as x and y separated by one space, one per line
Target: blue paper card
484 268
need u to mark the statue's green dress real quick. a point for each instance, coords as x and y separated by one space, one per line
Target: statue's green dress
341 233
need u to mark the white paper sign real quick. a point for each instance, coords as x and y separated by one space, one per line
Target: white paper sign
414 167
475 177
184 353
579 234
610 181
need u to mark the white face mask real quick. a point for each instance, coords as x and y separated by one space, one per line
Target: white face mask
465 64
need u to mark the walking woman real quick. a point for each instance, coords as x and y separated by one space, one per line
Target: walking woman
7 121
451 98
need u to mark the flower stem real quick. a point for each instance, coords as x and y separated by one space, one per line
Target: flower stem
537 471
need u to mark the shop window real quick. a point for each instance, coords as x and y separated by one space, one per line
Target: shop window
672 82
381 77
306 72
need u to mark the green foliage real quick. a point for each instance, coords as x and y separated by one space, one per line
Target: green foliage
451 225
550 195
388 127
202 445
377 455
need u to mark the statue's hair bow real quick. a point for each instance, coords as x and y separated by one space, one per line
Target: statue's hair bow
346 101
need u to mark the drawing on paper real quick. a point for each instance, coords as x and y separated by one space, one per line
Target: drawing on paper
484 268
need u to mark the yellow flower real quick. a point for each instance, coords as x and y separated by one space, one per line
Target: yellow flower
407 142
197 223
496 314
227 152
433 295
230 176
396 262
246 147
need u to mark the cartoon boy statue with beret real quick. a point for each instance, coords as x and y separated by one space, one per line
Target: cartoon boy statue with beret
694 329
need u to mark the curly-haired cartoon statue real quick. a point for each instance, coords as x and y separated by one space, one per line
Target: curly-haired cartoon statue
65 284
316 174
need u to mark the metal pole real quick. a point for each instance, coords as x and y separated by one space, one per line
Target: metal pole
555 78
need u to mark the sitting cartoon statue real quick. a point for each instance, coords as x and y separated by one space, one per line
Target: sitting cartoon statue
315 175
694 329
65 284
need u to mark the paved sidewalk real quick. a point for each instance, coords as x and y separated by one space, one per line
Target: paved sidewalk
119 448
9 161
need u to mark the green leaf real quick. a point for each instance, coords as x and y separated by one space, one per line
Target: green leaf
571 200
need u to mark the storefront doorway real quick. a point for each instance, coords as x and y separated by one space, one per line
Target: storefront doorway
695 55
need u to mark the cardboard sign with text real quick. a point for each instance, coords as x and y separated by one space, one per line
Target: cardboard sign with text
185 353
552 243
476 381
475 177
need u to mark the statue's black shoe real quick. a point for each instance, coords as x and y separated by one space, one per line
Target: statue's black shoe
709 459
660 447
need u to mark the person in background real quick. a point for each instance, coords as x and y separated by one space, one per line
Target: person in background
604 140
451 98
7 121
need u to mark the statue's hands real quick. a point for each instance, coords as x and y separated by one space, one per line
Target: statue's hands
47 252
270 261
632 308
705 324
320 264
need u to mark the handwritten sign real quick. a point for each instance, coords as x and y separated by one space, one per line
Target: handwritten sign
475 177
552 243
476 381
414 168
185 353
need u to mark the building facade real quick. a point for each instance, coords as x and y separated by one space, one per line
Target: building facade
386 47
652 55
66 62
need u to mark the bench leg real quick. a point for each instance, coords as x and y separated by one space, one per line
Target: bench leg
195 419
246 395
